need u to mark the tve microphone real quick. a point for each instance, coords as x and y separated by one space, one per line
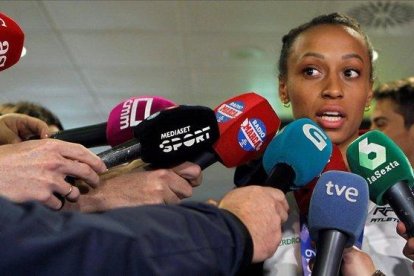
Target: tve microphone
296 155
168 137
247 123
11 42
388 172
118 129
337 214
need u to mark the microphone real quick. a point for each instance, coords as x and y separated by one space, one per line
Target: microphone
11 42
296 155
247 123
168 137
118 128
337 214
375 157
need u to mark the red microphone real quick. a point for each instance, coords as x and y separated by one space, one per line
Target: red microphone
118 129
11 42
247 124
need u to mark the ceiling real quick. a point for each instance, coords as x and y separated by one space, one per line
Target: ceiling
84 57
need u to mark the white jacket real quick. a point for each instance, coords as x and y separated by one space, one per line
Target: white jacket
381 242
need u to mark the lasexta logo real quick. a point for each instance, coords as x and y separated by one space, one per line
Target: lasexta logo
371 155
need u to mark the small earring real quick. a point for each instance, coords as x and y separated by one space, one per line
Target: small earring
286 104
367 108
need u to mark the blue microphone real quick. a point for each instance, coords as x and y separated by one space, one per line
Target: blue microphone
337 214
296 155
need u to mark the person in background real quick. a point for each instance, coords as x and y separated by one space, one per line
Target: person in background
393 114
34 110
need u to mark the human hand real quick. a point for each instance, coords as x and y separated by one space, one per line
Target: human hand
262 210
356 262
408 249
15 128
36 169
139 187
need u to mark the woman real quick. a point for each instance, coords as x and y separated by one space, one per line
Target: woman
326 74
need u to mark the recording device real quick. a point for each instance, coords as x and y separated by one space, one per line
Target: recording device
11 42
118 128
296 155
168 137
387 171
337 214
247 123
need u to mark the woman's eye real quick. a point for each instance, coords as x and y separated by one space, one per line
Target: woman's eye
351 73
309 71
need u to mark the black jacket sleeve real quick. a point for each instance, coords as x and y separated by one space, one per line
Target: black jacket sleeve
186 239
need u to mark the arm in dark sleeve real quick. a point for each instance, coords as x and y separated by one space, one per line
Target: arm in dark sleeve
186 239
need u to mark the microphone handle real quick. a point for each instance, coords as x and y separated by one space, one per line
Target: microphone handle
205 159
123 153
330 248
89 136
281 177
401 199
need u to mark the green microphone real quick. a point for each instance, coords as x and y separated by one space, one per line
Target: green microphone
389 175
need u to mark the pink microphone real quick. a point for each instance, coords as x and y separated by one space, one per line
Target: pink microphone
121 120
129 114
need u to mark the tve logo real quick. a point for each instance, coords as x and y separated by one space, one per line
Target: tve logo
367 150
350 193
315 135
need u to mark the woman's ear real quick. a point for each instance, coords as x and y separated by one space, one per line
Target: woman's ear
283 95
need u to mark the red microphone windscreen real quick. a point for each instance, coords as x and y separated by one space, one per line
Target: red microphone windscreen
247 124
130 113
11 42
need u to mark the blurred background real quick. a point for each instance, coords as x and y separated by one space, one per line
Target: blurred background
84 57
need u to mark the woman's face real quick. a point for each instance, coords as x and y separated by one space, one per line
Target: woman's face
328 80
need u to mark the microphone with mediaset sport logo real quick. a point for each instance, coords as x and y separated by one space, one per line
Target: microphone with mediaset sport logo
170 136
247 123
337 213
11 42
296 155
119 127
389 175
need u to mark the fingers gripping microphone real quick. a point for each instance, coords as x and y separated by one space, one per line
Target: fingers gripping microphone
247 123
11 42
122 118
297 154
337 214
388 172
168 137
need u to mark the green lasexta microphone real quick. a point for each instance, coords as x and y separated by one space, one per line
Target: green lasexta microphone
389 175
